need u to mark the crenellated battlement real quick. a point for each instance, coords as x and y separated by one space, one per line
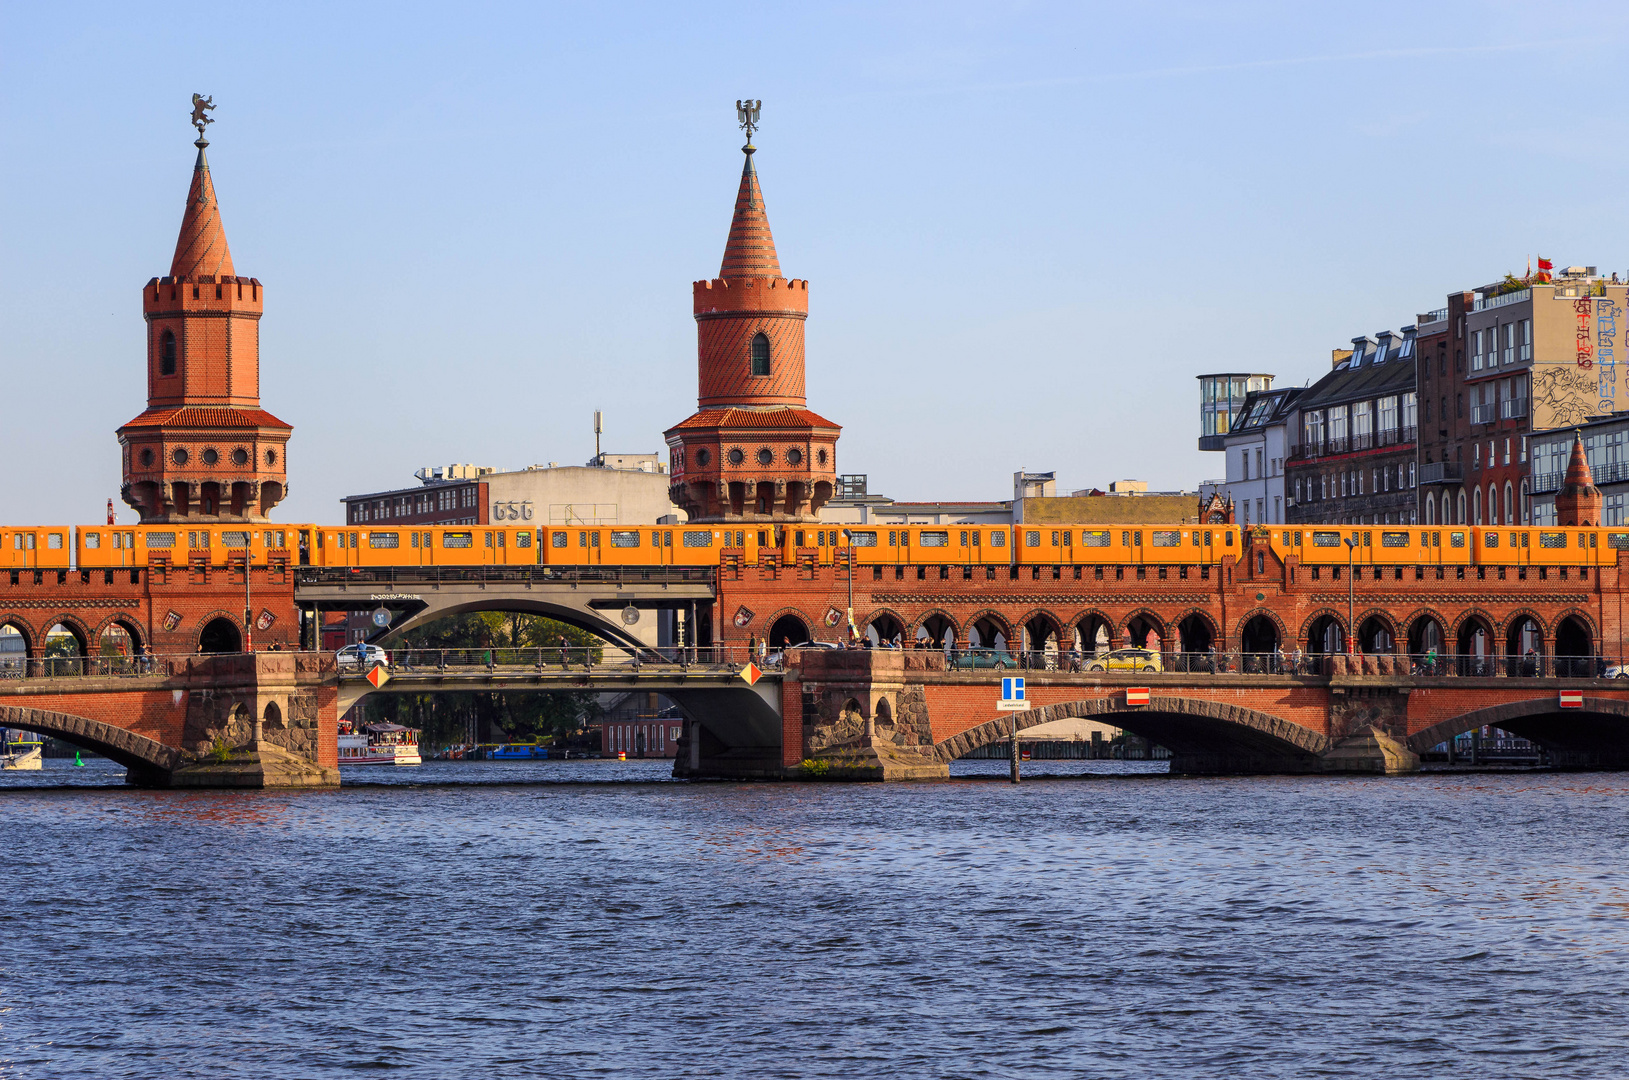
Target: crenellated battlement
751 295
167 295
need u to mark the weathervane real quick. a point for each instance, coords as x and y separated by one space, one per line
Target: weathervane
201 105
746 113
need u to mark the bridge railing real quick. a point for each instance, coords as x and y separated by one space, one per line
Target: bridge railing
1236 661
411 661
93 667
435 575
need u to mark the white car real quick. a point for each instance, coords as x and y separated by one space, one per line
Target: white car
362 656
1616 671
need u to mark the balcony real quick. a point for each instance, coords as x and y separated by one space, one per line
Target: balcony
1484 414
1503 299
1615 472
1430 318
1513 408
1442 472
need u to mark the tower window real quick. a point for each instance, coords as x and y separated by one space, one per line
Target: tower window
166 354
760 354
766 456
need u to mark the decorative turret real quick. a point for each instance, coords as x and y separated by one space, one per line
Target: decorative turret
203 450
1579 500
752 451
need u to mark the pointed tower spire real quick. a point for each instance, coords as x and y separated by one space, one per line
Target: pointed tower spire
750 250
1579 500
201 248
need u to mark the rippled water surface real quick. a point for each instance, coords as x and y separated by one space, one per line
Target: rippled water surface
581 919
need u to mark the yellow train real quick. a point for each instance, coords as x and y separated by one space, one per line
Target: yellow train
61 546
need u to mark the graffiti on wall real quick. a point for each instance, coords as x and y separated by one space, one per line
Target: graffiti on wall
1607 313
1562 396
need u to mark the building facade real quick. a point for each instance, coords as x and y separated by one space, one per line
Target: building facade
1221 395
1355 460
634 493
1605 443
1255 450
203 450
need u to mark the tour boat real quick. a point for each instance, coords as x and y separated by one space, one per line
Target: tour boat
379 744
21 750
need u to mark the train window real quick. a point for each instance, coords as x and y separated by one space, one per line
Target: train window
488 537
1097 538
893 538
1456 539
1285 540
1425 539
415 537
625 538
656 538
457 539
1366 539
1552 540
1394 539
1166 537
1326 539
1298 539
558 539
154 539
975 538
582 539
1490 540
93 540
1209 538
998 538
1580 539
235 539
694 538
1125 539
798 540
1436 539
502 536
1032 538
354 544
964 538
1524 539
862 539
384 540
1592 539
276 538
1196 538
593 539
936 539
1227 539
523 538
1619 541
741 538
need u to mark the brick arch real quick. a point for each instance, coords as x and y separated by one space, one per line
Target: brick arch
1417 614
1058 625
130 624
1474 613
1303 641
1272 616
1164 628
912 626
775 616
1004 623
143 756
1216 636
198 627
74 623
1399 639
1582 616
877 613
1261 732
31 636
1502 630
1503 716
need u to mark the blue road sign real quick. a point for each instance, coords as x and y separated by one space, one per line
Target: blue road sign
1012 688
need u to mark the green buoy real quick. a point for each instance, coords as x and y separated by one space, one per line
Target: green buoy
78 763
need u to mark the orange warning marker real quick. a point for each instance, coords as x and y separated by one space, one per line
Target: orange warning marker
378 677
751 673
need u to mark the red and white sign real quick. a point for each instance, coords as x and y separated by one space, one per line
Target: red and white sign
751 674
1137 695
1572 699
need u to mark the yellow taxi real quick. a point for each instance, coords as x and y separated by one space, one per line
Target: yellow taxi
1125 660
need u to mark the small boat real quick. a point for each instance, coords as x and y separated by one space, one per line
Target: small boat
378 744
21 750
517 751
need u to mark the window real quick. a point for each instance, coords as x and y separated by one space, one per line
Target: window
166 354
457 539
736 456
1476 350
1552 540
760 354
1394 539
625 539
998 538
1510 343
1312 431
384 540
1032 538
862 539
766 456
1527 339
1326 539
935 539
1095 538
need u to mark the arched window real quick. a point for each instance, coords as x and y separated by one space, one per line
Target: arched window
1430 511
760 354
1459 508
166 354
1510 507
1526 506
1476 506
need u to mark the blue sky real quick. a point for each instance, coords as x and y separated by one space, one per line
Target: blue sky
1026 227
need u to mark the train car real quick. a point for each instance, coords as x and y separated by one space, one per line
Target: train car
112 546
36 547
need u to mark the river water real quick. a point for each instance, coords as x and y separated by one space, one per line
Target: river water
594 919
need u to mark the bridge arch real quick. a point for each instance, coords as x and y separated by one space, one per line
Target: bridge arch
147 759
1086 626
1243 632
1196 631
1137 625
933 626
789 623
886 624
1474 642
1039 627
606 627
1203 736
1596 734
1573 644
124 622
1377 632
1324 632
989 624
1427 630
24 630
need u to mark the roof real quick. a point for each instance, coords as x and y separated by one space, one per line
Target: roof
206 416
201 248
1264 408
750 250
1384 368
755 418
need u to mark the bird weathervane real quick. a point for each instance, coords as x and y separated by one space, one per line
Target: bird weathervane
746 114
201 105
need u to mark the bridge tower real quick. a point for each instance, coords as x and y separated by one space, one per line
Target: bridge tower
204 450
752 452
1579 500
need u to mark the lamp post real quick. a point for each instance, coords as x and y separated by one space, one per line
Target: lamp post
848 556
1351 549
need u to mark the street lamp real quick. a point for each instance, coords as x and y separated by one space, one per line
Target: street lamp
1351 548
848 556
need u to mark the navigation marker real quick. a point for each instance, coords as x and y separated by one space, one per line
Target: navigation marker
378 677
751 673
1136 695
1572 699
